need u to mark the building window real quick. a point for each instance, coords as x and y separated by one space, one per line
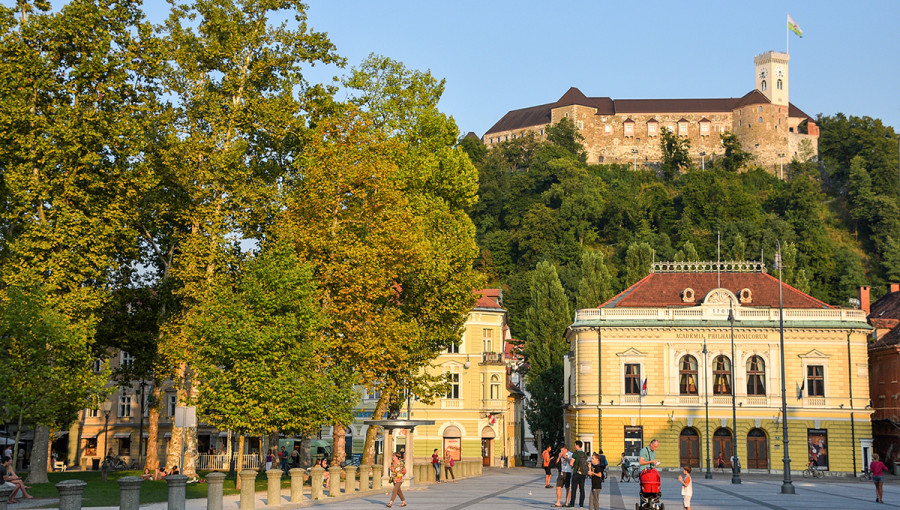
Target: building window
815 380
704 128
778 84
634 439
607 129
760 109
173 402
687 372
93 413
125 406
682 129
97 366
721 376
756 376
651 128
454 348
760 120
495 387
629 128
632 379
763 85
487 338
373 394
453 379
124 445
126 359
90 446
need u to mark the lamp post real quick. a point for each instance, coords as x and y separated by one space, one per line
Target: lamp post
735 471
143 398
703 161
634 152
787 487
706 404
781 162
107 408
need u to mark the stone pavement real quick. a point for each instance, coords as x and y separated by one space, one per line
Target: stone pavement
502 489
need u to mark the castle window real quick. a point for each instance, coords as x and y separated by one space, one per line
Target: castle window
760 120
760 109
778 84
629 127
542 131
763 85
580 124
607 129
651 128
704 129
682 128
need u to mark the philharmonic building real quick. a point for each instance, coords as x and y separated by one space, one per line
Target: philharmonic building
627 130
677 354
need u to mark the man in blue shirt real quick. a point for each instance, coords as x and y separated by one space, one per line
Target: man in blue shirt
647 456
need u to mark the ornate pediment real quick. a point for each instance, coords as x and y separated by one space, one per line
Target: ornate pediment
720 296
630 353
815 353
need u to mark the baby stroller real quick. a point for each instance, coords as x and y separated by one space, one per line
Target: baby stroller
650 493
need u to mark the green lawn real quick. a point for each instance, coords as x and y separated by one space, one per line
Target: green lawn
100 493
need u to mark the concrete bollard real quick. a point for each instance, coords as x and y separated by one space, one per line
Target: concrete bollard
297 479
350 480
365 473
177 486
130 492
317 480
215 489
378 480
69 494
4 496
248 489
334 484
273 492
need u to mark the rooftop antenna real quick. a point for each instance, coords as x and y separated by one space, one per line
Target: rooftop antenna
718 259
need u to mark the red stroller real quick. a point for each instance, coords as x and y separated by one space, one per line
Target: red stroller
650 493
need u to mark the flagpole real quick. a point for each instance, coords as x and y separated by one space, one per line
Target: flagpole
787 39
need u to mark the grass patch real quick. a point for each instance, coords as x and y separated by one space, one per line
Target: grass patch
100 493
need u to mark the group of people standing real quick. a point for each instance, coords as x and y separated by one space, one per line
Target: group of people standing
574 468
449 462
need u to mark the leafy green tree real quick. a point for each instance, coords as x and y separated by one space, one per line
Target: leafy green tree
739 248
859 191
565 135
675 155
546 320
638 258
735 156
596 284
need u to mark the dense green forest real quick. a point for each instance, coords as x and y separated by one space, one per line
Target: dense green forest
836 216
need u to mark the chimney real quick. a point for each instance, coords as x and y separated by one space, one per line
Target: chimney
864 301
893 287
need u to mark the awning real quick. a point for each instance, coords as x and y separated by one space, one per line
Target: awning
89 436
122 435
223 434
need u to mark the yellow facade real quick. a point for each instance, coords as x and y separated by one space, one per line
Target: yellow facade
609 344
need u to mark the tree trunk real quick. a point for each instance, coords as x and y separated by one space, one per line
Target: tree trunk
305 457
152 459
37 471
372 432
239 464
339 452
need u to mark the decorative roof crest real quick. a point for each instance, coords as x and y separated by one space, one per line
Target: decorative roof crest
745 266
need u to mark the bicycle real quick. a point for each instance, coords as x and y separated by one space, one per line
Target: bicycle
866 476
114 464
812 472
634 473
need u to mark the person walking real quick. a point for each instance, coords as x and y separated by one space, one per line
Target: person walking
545 457
647 455
283 459
448 466
720 463
396 476
580 470
564 462
623 462
436 464
687 487
877 468
597 476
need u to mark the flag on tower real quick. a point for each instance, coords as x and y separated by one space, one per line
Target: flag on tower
794 27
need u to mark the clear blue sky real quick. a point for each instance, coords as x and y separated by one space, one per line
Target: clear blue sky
502 55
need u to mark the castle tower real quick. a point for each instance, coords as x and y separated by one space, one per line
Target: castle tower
772 76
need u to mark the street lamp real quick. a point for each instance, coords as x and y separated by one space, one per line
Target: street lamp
107 407
703 161
781 162
634 152
143 398
706 403
787 487
735 471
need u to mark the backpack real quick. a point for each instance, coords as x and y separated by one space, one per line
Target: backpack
582 467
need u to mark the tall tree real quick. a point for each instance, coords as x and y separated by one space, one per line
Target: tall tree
675 156
638 259
596 285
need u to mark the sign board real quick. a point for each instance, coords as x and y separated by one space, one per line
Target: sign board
186 416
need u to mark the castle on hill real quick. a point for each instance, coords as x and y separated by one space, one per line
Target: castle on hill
769 127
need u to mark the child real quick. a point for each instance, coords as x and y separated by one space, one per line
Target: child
687 487
596 473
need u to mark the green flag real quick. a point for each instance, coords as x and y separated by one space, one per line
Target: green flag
794 27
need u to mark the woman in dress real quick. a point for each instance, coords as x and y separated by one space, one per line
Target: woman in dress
397 472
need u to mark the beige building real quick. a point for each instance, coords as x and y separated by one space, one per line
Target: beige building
655 359
772 129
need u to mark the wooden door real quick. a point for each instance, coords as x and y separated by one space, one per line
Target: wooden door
757 450
486 447
722 443
689 447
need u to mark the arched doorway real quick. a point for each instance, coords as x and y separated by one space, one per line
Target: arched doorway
689 447
722 444
453 442
757 450
487 446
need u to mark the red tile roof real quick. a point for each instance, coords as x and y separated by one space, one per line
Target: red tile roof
489 298
887 307
665 289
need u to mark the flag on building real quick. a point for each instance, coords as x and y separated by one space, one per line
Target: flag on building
644 388
793 26
802 386
493 419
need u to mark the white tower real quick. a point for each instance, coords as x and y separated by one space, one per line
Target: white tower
772 76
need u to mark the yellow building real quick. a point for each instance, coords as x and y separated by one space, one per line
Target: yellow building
482 415
647 363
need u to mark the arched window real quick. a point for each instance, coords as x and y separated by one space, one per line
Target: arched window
687 371
763 85
756 376
721 376
778 84
495 387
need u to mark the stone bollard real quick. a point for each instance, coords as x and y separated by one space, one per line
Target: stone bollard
177 486
69 494
273 494
350 480
365 473
215 489
130 492
317 480
378 480
334 484
297 476
248 489
4 496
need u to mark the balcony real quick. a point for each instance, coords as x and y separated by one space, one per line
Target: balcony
491 358
451 403
497 405
710 313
